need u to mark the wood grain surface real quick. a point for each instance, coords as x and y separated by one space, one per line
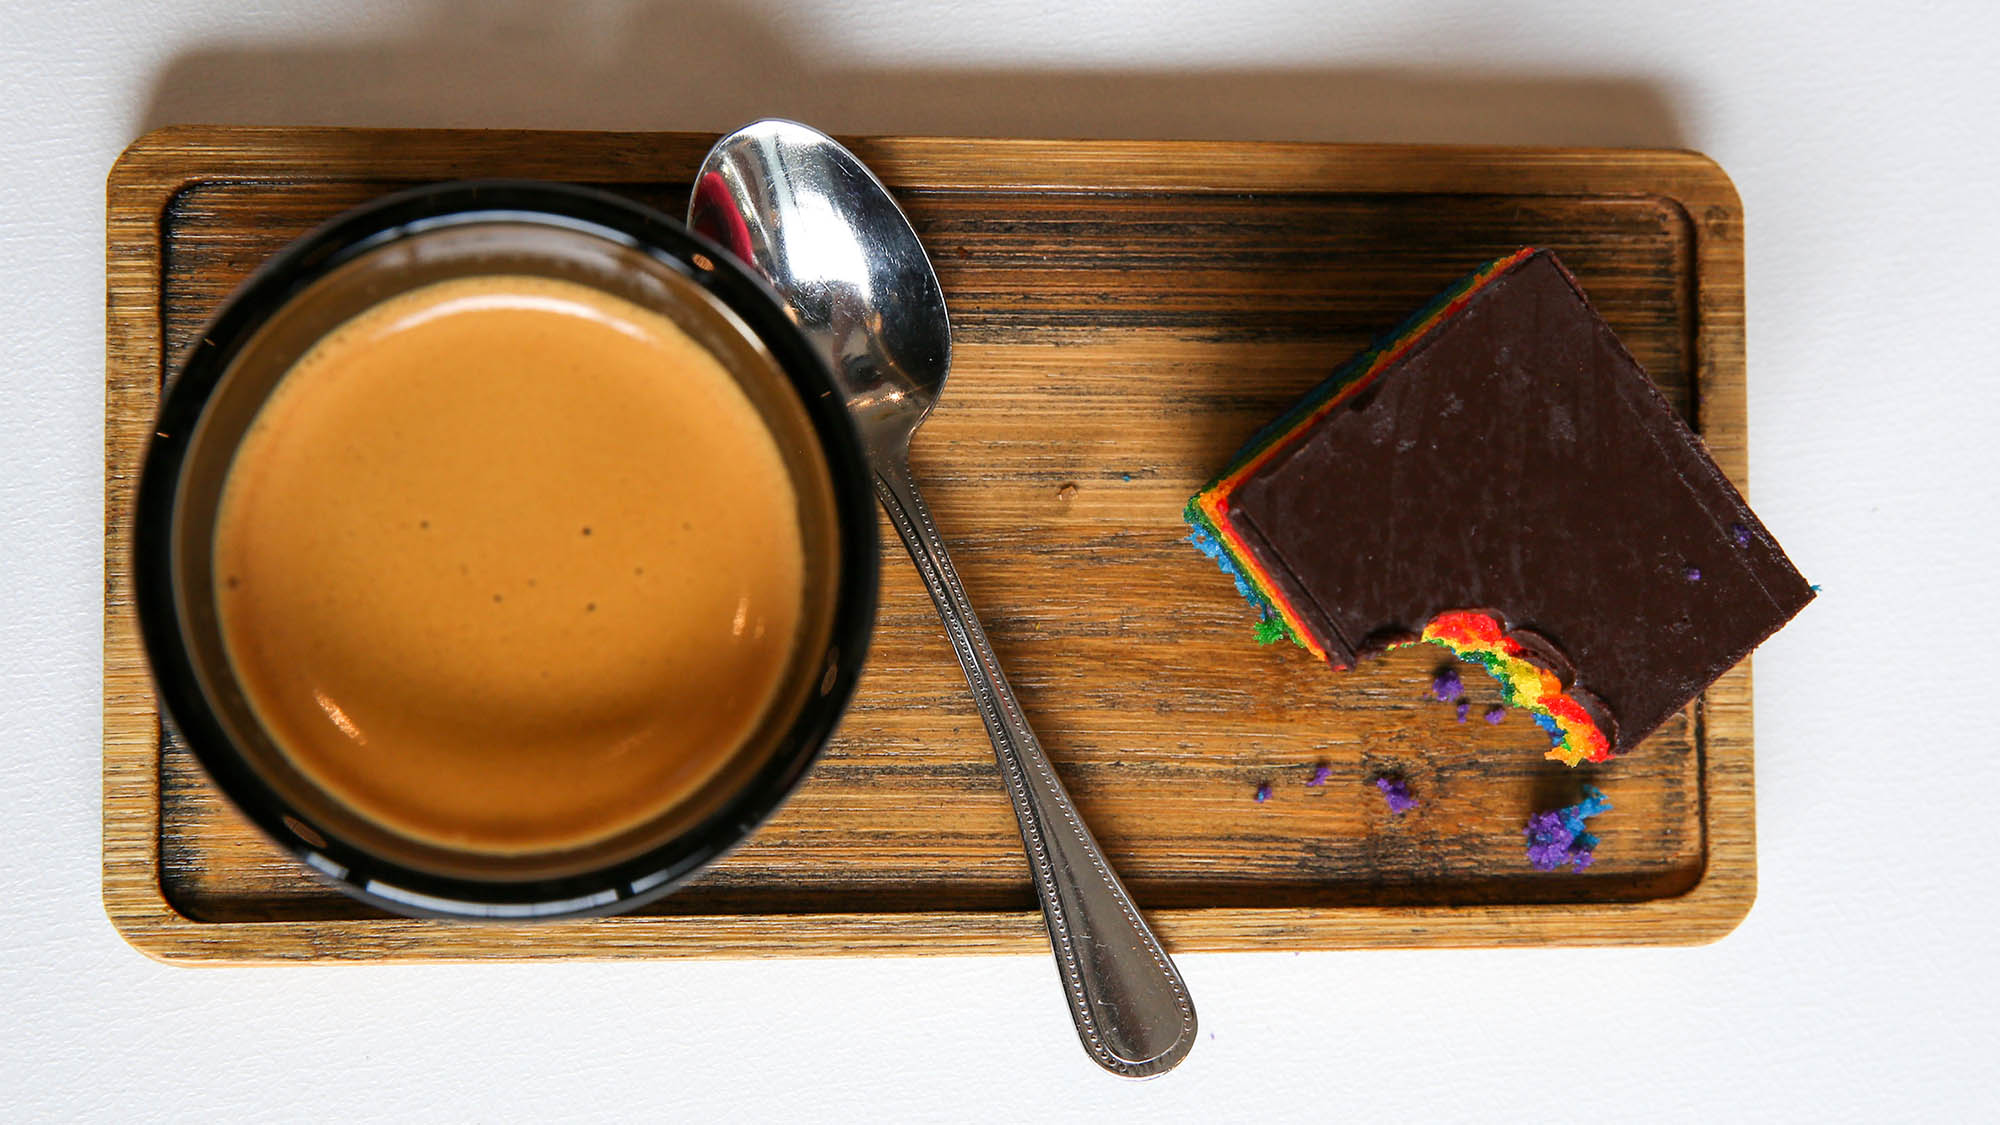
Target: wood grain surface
1126 313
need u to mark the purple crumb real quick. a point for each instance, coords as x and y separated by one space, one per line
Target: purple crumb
1320 773
1694 574
1464 708
1495 713
1446 687
1740 534
1558 836
1397 792
1263 792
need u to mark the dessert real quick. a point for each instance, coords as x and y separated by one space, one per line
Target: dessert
1499 477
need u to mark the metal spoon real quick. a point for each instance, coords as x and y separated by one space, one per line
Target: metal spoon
804 212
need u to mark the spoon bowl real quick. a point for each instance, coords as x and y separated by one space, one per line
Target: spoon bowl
845 260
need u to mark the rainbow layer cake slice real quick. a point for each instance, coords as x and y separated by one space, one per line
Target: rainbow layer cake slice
1499 477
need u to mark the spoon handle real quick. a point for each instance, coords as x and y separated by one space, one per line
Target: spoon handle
1131 1009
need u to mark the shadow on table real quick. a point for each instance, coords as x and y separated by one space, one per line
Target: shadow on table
680 64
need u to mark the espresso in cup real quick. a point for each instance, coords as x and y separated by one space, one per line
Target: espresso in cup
504 551
509 564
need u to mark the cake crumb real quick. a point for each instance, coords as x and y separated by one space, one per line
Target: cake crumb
1446 687
1558 836
1396 791
1067 491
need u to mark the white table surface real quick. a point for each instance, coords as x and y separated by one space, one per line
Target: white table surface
1861 988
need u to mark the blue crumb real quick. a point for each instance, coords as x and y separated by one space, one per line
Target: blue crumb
1558 836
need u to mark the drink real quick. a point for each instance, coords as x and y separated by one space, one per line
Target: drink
509 564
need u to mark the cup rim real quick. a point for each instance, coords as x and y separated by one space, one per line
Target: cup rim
388 884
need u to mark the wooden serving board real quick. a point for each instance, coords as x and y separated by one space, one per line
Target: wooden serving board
1126 314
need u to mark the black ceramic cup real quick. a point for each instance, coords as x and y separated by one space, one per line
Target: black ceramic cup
435 234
